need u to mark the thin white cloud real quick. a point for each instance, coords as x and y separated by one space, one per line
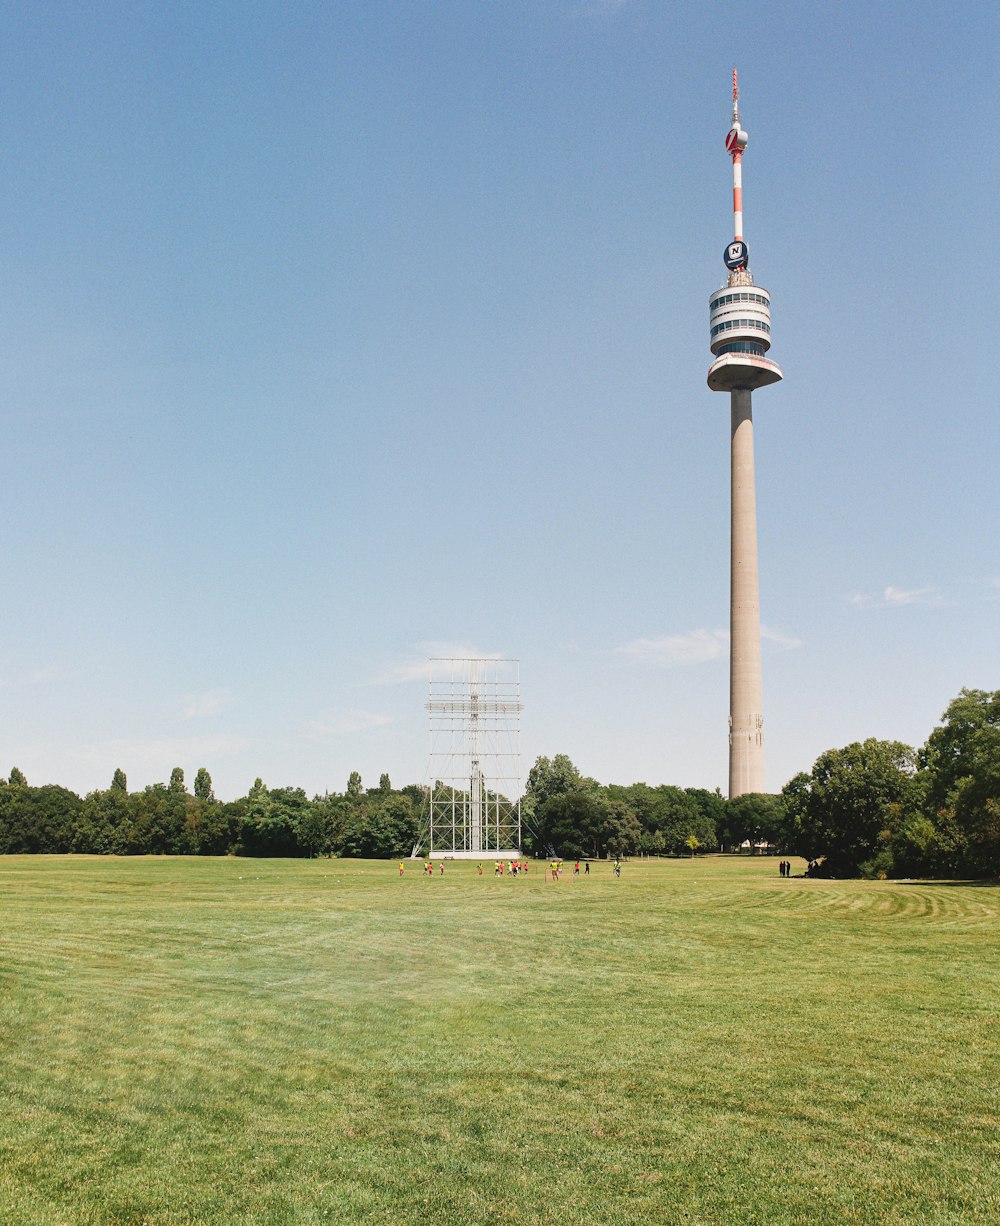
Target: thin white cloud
342 724
915 595
210 702
159 755
784 642
694 647
408 670
420 666
896 597
40 676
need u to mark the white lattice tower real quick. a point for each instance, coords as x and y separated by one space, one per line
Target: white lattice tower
474 764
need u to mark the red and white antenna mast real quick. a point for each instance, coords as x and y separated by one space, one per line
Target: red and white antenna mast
736 142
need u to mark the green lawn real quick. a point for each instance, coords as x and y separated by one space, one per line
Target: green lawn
236 1041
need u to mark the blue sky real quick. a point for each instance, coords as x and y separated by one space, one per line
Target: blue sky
336 335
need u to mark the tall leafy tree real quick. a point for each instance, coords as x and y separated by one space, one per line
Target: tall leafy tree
119 783
221 825
857 795
105 823
621 833
678 817
388 828
354 784
272 822
552 777
756 816
159 817
316 829
668 817
711 805
962 744
977 810
177 780
586 822
203 785
547 779
961 763
38 820
795 795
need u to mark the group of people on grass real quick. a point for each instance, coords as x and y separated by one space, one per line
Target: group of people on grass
555 869
513 869
815 868
428 869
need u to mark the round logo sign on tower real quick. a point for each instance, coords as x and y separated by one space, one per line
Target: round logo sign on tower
736 139
737 255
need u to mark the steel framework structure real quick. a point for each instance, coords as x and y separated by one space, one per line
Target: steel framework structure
474 768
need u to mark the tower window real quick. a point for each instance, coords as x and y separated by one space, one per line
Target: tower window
750 325
741 347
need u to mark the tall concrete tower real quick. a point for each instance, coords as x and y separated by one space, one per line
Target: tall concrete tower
740 315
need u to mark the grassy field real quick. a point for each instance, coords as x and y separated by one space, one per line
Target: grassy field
235 1041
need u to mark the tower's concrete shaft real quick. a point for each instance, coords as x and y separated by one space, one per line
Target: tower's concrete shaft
746 719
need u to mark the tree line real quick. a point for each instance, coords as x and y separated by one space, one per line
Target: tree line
873 808
884 809
168 819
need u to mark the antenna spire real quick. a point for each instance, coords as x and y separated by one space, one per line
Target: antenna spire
736 142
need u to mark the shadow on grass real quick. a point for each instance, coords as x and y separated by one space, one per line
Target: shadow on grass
977 884
984 884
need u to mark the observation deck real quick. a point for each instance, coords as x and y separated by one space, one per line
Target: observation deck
740 336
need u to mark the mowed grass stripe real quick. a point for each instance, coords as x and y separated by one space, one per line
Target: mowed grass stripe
271 1041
